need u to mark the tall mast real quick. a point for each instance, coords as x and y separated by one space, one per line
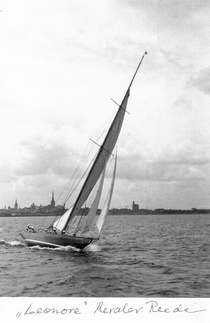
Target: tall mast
137 70
103 153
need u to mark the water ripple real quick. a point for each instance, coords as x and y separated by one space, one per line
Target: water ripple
137 256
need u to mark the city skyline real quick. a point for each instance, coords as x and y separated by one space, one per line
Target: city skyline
135 207
17 206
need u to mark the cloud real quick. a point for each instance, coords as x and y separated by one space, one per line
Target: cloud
41 158
181 27
181 162
160 172
39 167
6 175
188 153
170 11
201 81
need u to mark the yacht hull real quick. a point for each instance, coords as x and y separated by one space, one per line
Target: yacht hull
53 240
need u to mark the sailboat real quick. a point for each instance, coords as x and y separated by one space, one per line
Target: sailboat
60 233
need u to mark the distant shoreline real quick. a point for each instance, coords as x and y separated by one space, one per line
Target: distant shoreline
24 215
112 212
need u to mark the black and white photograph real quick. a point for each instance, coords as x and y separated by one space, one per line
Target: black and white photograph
104 160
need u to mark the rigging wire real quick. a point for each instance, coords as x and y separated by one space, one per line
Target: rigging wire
72 183
74 188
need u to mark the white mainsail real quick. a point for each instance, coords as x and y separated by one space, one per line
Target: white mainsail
94 206
101 219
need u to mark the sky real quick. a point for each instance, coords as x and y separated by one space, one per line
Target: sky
60 64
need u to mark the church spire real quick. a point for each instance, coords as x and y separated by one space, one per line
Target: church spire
53 200
16 204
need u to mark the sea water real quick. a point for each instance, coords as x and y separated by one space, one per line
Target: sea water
137 256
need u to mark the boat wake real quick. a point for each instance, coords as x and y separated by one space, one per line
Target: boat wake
66 249
92 248
13 243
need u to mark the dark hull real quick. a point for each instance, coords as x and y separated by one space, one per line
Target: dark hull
53 240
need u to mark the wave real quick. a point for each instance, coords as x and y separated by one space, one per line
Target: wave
92 248
13 243
67 248
205 247
168 271
17 243
163 293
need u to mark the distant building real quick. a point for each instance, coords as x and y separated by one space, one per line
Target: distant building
135 207
33 206
16 205
53 200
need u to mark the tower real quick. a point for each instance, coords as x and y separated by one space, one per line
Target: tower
135 207
52 201
16 205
